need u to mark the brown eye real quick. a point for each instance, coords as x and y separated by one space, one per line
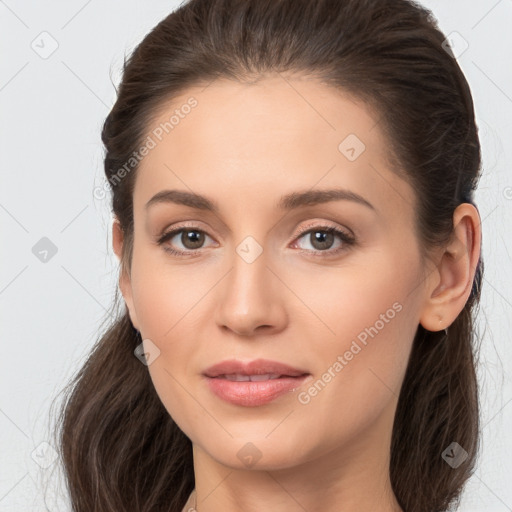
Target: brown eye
191 238
322 239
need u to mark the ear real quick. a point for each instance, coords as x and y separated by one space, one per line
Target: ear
449 285
124 275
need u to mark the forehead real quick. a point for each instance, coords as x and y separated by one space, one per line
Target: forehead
237 141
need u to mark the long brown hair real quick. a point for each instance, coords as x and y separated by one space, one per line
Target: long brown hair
120 449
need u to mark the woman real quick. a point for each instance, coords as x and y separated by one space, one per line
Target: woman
293 206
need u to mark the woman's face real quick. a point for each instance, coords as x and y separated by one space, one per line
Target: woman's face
259 277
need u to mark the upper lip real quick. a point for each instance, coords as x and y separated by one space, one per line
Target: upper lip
254 367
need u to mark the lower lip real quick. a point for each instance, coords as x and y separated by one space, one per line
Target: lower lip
251 394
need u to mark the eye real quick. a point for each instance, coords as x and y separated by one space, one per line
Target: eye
191 238
322 238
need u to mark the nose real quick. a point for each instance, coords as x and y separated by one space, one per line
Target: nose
251 299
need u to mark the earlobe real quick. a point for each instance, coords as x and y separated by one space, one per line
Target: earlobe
124 277
117 238
450 285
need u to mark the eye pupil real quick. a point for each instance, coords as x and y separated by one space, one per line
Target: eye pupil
196 238
323 237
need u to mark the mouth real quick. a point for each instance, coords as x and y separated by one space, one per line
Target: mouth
238 377
254 368
255 383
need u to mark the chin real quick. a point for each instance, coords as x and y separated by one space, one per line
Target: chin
256 453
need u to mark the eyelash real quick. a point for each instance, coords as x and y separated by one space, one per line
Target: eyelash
347 239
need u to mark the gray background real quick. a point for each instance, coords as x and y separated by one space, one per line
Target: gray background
52 110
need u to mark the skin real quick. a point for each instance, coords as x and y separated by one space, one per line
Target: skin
244 146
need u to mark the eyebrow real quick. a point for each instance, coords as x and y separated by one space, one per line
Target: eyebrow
290 201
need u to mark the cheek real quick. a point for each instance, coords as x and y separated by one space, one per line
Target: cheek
164 294
165 298
368 325
345 302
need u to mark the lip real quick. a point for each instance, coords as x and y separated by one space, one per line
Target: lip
253 393
254 367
